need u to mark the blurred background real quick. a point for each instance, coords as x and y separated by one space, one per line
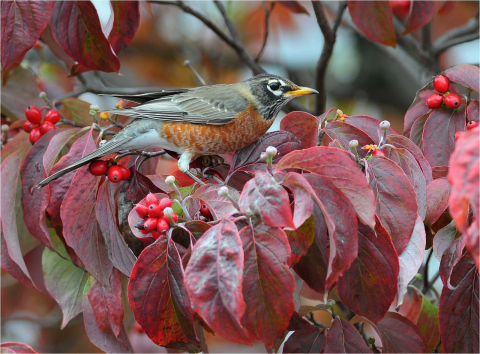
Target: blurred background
362 78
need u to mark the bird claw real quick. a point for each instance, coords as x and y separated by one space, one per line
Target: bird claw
195 178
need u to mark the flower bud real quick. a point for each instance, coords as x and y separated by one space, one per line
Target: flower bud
263 156
104 115
168 212
385 125
42 94
92 112
170 180
223 191
371 340
353 143
271 151
331 303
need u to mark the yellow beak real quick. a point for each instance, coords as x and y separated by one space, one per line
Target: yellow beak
301 91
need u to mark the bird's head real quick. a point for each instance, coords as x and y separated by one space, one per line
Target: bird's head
272 92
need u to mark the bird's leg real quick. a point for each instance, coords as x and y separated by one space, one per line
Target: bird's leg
184 165
211 160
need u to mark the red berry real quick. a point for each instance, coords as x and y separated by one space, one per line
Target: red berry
452 101
145 232
400 8
52 116
150 224
163 225
174 217
459 134
38 45
35 134
156 234
165 203
98 167
114 174
125 172
45 127
205 211
28 126
151 199
441 83
33 114
142 210
378 152
154 211
434 101
471 125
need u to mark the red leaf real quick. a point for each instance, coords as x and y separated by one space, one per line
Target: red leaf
342 337
107 304
425 316
463 174
35 168
421 13
306 341
446 7
81 230
439 134
443 239
379 26
105 341
12 258
22 25
285 142
16 347
339 168
416 133
418 107
126 17
450 258
368 125
372 277
344 236
214 278
268 284
313 266
265 198
60 186
473 111
345 132
412 170
458 310
438 192
301 239
158 296
464 74
106 212
220 206
78 30
411 259
303 204
396 200
303 125
294 6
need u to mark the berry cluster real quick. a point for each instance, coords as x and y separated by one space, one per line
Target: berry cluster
158 214
375 150
441 83
470 125
114 172
37 125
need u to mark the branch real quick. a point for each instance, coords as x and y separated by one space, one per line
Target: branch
329 34
267 25
466 33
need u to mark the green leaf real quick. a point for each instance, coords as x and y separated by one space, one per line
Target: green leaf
76 110
63 280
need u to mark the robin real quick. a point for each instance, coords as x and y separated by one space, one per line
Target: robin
207 120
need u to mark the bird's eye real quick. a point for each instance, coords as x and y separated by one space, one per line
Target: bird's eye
274 86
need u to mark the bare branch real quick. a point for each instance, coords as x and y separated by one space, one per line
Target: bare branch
466 33
267 27
329 35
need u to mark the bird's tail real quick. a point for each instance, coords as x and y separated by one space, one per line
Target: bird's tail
106 149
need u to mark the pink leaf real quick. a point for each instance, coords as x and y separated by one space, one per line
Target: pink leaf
126 18
438 192
342 337
421 13
303 125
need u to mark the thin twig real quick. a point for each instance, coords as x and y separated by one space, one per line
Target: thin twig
189 65
267 27
425 271
329 34
465 33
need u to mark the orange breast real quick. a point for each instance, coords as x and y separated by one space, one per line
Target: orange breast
217 139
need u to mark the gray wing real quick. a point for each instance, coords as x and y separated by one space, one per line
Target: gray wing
149 96
203 105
